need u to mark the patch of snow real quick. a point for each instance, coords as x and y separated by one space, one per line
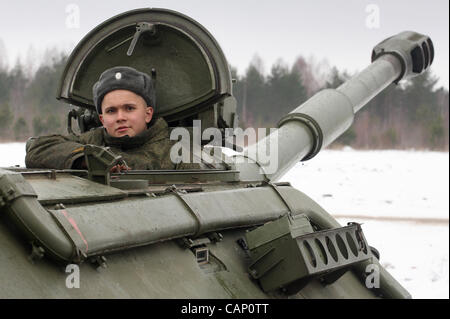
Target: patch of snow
415 254
12 154
376 183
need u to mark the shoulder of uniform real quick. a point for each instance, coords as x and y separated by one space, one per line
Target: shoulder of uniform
158 131
94 136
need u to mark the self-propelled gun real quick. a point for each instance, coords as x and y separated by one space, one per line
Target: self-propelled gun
229 230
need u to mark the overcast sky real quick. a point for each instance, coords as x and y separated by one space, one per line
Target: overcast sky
341 31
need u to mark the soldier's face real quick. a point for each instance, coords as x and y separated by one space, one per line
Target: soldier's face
125 113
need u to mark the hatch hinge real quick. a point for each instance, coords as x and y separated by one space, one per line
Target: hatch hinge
215 237
192 243
140 29
199 246
99 262
37 252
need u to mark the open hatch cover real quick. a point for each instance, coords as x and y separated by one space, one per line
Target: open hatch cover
190 68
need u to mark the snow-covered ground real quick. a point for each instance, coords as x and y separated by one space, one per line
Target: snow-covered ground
401 197
377 183
12 154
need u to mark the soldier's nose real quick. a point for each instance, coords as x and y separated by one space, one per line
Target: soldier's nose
120 116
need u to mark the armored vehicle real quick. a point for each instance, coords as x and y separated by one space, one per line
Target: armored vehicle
228 230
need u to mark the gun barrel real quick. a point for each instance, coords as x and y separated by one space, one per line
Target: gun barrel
315 124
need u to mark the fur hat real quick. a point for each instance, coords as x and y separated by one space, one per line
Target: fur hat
123 78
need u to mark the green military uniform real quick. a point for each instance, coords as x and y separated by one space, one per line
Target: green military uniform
149 150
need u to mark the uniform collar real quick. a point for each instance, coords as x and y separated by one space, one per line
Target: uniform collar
158 131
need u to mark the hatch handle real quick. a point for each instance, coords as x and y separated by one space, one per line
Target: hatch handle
99 161
140 28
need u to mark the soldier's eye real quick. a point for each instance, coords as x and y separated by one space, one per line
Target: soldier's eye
110 111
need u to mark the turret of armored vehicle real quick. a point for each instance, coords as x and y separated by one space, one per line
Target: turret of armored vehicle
230 230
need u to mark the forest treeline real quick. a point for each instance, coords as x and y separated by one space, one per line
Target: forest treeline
411 115
28 105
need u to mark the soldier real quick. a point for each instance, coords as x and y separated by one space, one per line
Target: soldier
123 97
